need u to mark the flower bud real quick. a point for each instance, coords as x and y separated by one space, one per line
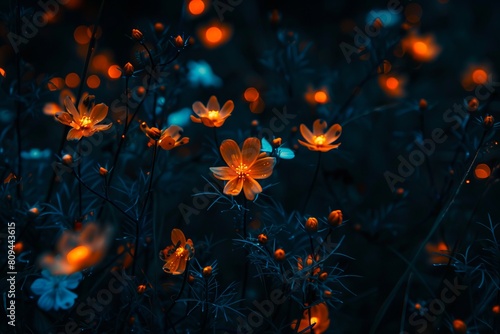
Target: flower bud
279 255
422 104
128 69
67 159
190 279
473 104
34 212
335 218
377 24
255 122
179 41
141 288
137 35
323 276
327 294
459 326
207 271
159 27
277 142
496 309
262 238
311 224
488 121
103 171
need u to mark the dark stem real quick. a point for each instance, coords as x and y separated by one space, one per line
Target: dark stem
216 140
19 106
80 161
309 192
245 270
205 313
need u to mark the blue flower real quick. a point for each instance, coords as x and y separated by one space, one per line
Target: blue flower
200 74
54 290
388 18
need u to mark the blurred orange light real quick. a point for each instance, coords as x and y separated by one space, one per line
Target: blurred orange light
93 81
55 84
420 48
479 76
72 80
81 36
482 171
77 255
2 72
114 72
392 83
257 106
251 94
213 34
196 7
101 63
413 12
320 97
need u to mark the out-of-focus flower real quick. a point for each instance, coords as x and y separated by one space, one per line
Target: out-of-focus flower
52 108
128 69
318 317
279 254
180 117
388 18
54 291
281 152
459 326
244 167
421 48
317 96
474 75
167 139
212 115
262 239
319 140
177 255
309 262
207 271
200 74
84 120
77 251
35 154
214 34
137 35
392 85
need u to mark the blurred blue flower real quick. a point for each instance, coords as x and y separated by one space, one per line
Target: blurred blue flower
54 290
281 152
387 17
200 74
180 117
35 154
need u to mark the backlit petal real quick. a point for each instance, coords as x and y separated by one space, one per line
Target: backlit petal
178 237
173 131
251 188
250 151
64 299
231 153
319 127
262 168
227 108
47 301
306 133
102 127
195 119
70 107
64 118
98 113
40 286
309 146
333 133
234 186
199 109
207 122
74 134
223 173
213 104
181 267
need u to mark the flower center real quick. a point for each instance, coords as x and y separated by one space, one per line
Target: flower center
319 140
180 252
242 170
85 122
213 114
314 320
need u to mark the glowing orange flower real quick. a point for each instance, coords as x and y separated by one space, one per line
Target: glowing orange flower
245 167
176 256
320 320
212 115
421 48
78 250
83 122
318 140
167 139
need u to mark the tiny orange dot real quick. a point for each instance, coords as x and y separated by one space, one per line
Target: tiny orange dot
251 94
196 7
392 83
479 76
320 97
93 81
213 34
72 80
114 72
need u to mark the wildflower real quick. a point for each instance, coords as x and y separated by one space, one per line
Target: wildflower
78 250
179 41
335 217
279 255
128 69
318 320
212 115
137 35
318 140
54 291
245 167
311 224
309 263
262 238
421 48
459 326
177 255
167 139
207 271
83 122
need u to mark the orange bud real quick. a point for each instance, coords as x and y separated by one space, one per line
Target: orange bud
459 326
422 104
496 309
488 121
323 276
159 27
277 142
262 238
191 279
327 294
67 159
141 288
207 271
255 122
377 24
103 171
311 224
335 217
18 247
34 211
137 35
473 104
128 69
279 255
179 41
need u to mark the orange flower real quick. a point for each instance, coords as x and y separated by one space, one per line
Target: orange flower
167 139
176 256
78 250
212 115
320 320
318 140
83 122
245 167
421 48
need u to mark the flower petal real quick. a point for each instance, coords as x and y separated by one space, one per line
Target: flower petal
251 188
227 109
309 146
166 143
207 122
178 237
234 186
223 173
231 153
70 107
319 127
173 131
72 281
250 151
87 103
40 286
213 104
101 127
195 119
333 133
64 299
262 168
326 148
98 113
64 118
74 134
47 301
306 133
181 267
199 109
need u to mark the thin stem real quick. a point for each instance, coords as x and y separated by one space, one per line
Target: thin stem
205 312
19 106
433 229
143 210
309 192
217 144
80 161
244 227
